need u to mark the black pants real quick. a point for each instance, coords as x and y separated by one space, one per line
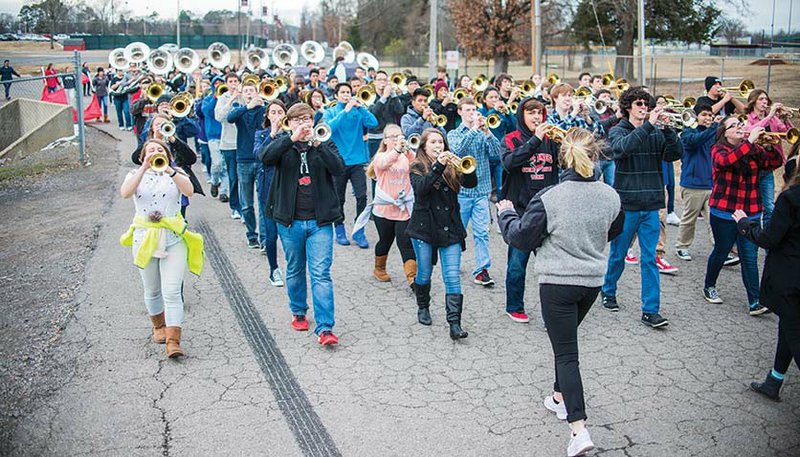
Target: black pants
388 231
358 179
788 344
563 309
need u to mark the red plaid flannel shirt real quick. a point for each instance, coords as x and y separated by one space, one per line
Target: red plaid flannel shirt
735 174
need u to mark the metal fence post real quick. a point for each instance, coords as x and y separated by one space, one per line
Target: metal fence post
722 70
769 72
680 82
79 107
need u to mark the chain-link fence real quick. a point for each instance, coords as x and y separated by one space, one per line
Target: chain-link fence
40 108
680 75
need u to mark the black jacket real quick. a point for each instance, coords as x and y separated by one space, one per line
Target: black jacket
386 112
183 156
436 218
780 290
324 162
451 111
638 153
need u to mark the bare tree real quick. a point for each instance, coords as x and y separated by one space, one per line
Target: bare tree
731 29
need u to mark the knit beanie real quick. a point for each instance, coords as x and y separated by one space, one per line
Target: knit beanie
710 81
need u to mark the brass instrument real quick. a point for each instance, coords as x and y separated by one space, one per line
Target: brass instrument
284 54
513 107
136 52
159 162
160 62
464 165
479 98
527 88
285 123
786 112
366 61
553 79
678 120
608 78
186 60
493 121
438 120
251 79
321 133
744 88
557 134
460 93
221 89
773 138
414 140
268 90
256 59
346 51
167 129
601 106
398 79
582 93
181 105
117 59
689 102
312 51
219 55
282 82
480 83
154 91
366 95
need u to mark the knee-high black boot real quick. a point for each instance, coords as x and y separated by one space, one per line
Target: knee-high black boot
423 294
454 303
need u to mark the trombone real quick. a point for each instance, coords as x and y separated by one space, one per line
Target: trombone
744 88
773 138
464 165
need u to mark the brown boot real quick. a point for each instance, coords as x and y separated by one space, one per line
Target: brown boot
158 328
174 342
410 267
106 120
380 269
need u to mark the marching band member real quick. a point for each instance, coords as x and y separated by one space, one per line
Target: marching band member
761 112
444 104
219 171
494 105
435 224
737 162
419 115
639 147
386 109
473 138
530 161
162 247
227 142
569 226
585 80
303 202
505 85
412 84
722 103
392 202
316 100
347 121
568 113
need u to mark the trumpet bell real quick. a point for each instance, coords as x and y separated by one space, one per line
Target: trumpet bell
251 79
440 120
467 165
553 79
366 95
117 59
556 133
582 92
513 107
689 102
268 90
322 133
256 59
186 60
285 123
366 61
159 62
155 91
167 129
600 106
282 83
284 54
414 140
159 162
221 89
792 135
527 87
219 55
479 98
460 93
181 105
608 78
398 79
137 52
480 83
493 121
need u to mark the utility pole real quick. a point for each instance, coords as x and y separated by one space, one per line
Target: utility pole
642 80
432 41
179 24
772 27
536 37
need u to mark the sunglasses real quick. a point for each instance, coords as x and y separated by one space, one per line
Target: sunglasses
640 103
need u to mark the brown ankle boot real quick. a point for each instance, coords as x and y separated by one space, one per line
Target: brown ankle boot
380 269
106 120
174 342
410 267
158 328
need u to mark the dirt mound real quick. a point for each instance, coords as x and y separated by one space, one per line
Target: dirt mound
764 62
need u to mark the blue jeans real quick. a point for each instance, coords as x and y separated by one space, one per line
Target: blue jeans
373 145
103 101
233 180
267 229
304 243
205 156
515 279
607 168
668 170
477 209
123 108
725 236
647 226
246 173
766 192
496 167
449 259
219 169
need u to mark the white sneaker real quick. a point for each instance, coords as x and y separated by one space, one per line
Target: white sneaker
673 219
559 408
275 278
579 444
235 215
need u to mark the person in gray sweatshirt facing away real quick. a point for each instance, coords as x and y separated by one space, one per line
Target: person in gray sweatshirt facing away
568 226
228 138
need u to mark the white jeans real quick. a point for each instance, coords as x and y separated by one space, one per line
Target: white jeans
162 280
219 171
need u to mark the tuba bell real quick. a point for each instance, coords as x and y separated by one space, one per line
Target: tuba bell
159 62
186 60
219 55
117 59
366 61
346 51
256 59
284 54
137 52
159 162
312 51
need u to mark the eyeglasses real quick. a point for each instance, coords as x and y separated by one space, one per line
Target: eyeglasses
735 126
639 103
393 137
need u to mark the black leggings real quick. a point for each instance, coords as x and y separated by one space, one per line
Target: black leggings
563 309
788 344
388 231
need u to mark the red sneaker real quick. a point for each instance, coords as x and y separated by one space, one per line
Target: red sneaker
631 258
327 338
299 323
519 317
664 266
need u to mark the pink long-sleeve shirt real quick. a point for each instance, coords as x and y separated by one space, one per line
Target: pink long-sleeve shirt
773 124
391 170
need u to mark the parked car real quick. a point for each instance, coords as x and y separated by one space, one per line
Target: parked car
62 37
8 37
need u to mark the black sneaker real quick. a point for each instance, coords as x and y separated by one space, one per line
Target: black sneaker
654 320
711 295
223 198
731 260
253 244
214 190
484 279
758 309
609 302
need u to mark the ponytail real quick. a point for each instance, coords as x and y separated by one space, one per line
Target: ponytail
578 151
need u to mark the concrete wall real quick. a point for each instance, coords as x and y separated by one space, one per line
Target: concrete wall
29 125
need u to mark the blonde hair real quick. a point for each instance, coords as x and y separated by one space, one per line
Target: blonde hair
381 149
579 151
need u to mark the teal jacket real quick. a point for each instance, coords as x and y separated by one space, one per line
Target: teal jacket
348 130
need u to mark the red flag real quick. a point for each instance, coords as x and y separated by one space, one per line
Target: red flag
92 111
84 79
58 96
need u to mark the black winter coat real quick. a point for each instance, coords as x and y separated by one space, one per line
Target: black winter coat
436 218
780 290
324 162
451 111
386 113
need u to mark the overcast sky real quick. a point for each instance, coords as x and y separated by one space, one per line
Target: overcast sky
759 17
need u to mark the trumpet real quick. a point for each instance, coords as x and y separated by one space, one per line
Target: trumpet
493 121
459 93
480 83
321 133
438 120
155 91
268 90
677 120
744 88
556 133
513 107
526 88
167 129
181 105
398 79
601 106
159 162
582 93
786 112
553 79
464 165
414 141
285 124
366 95
773 138
283 84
